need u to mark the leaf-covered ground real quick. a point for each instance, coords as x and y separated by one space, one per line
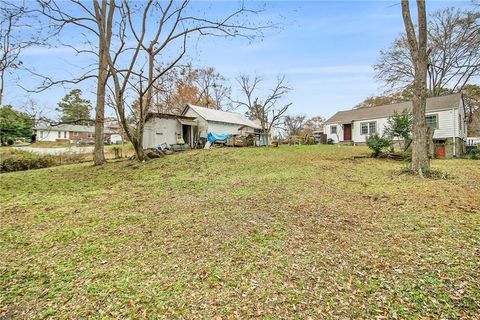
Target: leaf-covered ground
293 232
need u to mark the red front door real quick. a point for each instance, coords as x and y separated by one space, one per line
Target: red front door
440 151
347 132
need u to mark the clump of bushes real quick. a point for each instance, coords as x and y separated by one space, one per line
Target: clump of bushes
473 154
21 160
378 144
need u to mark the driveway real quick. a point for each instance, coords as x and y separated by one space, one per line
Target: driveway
57 151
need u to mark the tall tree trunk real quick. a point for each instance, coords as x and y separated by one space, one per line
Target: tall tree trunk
99 156
139 152
418 51
1 87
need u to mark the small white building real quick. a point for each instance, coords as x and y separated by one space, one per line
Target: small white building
193 125
217 121
168 128
446 114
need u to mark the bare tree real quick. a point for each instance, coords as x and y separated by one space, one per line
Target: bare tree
153 28
16 35
96 21
419 57
186 84
268 110
453 54
294 124
213 92
314 124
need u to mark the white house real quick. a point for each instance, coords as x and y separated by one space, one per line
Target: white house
193 125
446 114
68 133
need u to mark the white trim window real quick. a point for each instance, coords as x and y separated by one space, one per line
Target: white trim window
367 128
59 134
333 129
65 134
432 121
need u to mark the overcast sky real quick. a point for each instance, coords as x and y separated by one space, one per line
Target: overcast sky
325 49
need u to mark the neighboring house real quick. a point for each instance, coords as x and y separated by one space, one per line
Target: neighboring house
194 124
68 133
446 114
113 125
319 136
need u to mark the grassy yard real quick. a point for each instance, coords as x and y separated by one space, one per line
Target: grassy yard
293 232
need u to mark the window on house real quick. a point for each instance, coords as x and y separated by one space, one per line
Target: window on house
368 127
333 129
75 134
65 134
59 134
41 134
372 127
364 128
432 121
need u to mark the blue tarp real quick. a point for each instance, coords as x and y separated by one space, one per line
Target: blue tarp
212 137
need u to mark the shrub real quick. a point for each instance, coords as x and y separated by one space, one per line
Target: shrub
10 141
473 154
18 161
378 144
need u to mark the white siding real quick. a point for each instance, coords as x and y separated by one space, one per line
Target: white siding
222 127
116 138
159 130
335 137
205 127
448 126
51 135
356 133
202 124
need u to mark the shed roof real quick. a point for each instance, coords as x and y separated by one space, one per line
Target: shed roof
167 116
222 116
434 103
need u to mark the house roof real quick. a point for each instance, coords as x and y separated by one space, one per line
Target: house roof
433 104
222 116
71 127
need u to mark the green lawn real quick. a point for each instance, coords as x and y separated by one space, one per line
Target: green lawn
293 232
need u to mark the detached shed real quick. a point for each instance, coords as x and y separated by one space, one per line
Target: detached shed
168 128
217 121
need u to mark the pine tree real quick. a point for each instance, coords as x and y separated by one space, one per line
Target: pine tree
74 109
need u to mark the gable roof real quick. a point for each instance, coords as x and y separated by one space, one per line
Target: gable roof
433 104
221 116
